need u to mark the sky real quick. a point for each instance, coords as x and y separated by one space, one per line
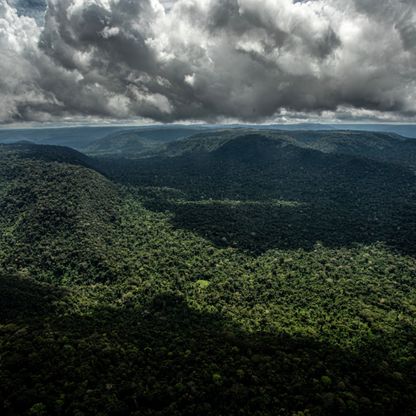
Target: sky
215 61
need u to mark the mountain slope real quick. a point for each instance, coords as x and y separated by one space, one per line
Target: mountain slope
384 147
57 214
368 199
137 143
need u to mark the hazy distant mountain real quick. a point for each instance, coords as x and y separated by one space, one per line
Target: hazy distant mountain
406 130
81 138
387 147
75 137
136 143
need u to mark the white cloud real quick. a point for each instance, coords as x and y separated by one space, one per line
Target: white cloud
109 32
209 60
190 79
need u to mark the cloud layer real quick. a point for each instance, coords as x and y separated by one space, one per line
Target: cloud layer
211 60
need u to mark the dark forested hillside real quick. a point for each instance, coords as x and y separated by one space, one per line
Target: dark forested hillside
229 273
57 216
321 194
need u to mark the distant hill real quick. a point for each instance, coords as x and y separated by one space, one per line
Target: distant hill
126 144
406 130
137 143
83 138
386 147
47 153
74 137
169 133
369 197
140 142
285 155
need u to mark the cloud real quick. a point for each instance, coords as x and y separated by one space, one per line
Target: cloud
208 60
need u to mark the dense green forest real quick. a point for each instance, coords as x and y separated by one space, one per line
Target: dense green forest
229 273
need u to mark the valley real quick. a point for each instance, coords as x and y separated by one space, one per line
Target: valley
226 272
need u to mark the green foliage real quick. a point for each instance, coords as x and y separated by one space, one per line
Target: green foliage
203 284
58 218
267 292
322 194
38 409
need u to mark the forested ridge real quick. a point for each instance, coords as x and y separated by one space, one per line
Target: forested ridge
231 273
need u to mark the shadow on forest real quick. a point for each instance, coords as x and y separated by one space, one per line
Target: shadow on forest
164 358
25 297
344 199
258 226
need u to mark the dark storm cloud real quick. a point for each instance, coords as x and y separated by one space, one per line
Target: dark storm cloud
109 35
209 60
